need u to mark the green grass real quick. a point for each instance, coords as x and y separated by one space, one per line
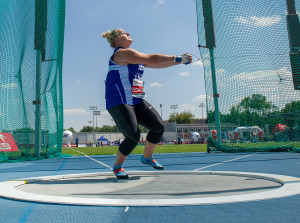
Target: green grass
109 150
265 144
183 148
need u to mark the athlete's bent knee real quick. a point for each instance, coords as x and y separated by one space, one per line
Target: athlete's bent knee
155 137
129 143
127 146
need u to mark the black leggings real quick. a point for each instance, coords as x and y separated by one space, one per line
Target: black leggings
127 119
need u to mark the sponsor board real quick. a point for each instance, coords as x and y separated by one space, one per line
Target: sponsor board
7 142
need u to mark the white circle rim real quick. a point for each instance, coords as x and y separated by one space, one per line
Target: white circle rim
290 186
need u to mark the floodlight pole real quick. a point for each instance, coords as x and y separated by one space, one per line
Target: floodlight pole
202 106
160 105
96 113
93 108
175 107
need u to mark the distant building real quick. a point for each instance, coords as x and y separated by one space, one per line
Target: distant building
184 132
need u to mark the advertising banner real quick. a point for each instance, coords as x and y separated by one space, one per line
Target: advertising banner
7 143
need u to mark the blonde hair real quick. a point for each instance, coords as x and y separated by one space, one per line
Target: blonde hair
111 36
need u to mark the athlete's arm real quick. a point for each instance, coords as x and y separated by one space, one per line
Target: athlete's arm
131 56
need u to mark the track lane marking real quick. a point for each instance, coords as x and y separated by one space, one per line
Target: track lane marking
216 164
103 164
126 209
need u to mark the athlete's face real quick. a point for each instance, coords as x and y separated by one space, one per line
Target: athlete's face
124 39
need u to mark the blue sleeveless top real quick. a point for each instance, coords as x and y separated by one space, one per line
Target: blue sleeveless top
118 84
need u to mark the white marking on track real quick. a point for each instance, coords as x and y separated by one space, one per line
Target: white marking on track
103 164
216 164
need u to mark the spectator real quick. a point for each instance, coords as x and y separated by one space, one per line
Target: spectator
77 141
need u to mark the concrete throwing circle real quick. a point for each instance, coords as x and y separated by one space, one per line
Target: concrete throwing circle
157 188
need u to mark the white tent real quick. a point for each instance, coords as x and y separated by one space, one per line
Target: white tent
255 130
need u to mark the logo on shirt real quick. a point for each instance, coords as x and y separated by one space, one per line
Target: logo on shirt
141 67
138 76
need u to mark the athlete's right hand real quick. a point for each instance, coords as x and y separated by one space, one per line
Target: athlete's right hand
185 58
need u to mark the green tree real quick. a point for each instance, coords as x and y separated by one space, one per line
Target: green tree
253 110
232 117
256 103
289 119
22 130
185 117
291 107
105 128
108 128
86 129
115 129
72 130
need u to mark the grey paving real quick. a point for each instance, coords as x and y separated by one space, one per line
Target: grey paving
150 186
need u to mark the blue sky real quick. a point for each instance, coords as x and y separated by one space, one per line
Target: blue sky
156 26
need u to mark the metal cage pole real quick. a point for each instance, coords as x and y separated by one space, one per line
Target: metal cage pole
293 27
39 45
216 95
211 44
37 104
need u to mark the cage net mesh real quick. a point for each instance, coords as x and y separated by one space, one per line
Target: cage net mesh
257 69
31 46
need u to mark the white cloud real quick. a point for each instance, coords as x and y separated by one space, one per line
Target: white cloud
160 2
78 82
185 74
71 119
263 21
92 12
156 84
187 107
194 109
266 75
75 111
201 97
72 122
105 113
105 118
11 85
197 63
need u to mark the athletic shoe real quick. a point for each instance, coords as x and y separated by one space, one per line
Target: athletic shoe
152 162
120 173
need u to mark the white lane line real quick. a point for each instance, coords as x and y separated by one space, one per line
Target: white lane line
126 209
103 164
223 162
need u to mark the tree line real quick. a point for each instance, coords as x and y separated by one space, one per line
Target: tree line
104 128
253 110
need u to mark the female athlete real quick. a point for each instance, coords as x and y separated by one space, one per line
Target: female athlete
125 97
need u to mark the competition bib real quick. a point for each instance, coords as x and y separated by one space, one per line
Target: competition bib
137 88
